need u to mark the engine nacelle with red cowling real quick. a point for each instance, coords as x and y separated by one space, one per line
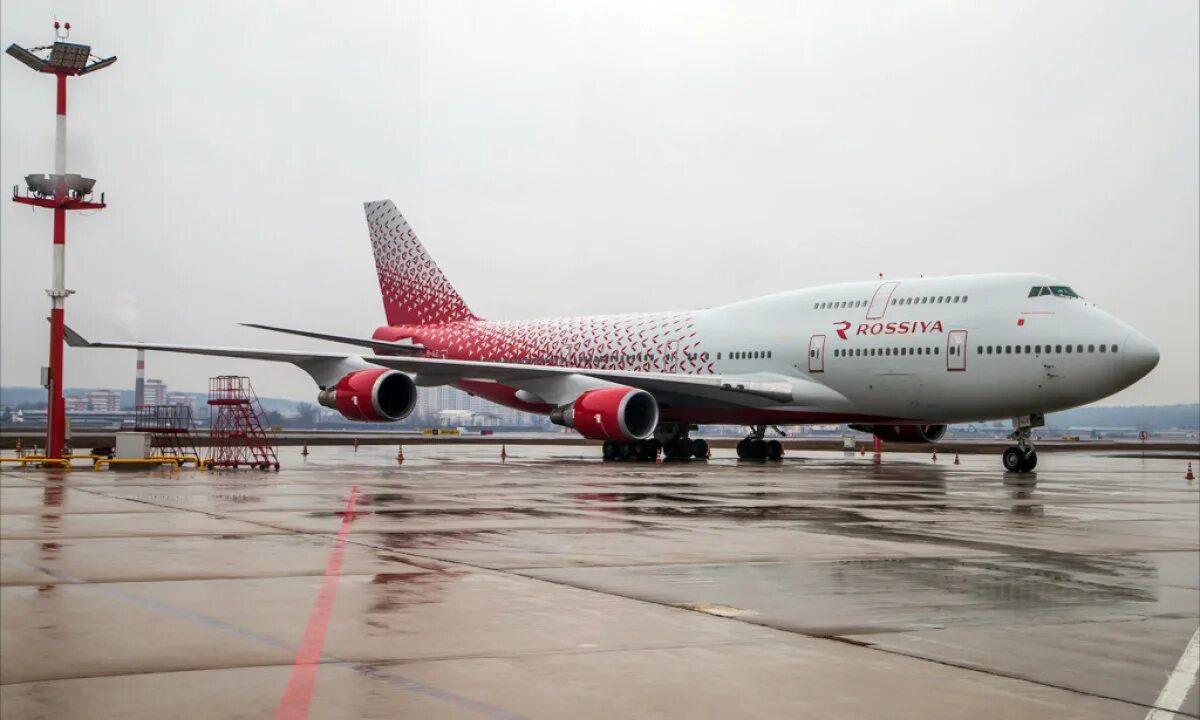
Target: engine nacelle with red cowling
372 396
904 433
616 413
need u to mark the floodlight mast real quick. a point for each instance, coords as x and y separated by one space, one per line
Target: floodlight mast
68 193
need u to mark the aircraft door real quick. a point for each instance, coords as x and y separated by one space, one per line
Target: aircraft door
816 354
956 350
670 357
880 300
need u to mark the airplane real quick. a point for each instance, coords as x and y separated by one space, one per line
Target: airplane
901 359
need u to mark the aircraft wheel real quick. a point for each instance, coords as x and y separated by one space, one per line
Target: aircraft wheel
680 449
1029 462
700 448
758 449
1014 459
743 449
610 450
774 450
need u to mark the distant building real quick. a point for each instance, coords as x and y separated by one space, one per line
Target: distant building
182 399
103 401
75 403
433 402
156 392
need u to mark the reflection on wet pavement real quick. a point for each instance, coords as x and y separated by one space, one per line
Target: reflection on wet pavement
554 584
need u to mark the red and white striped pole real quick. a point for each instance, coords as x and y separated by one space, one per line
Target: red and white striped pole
56 425
63 60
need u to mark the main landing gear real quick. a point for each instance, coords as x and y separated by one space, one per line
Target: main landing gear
1022 457
756 447
672 439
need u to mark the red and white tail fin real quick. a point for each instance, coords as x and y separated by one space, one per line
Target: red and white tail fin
415 291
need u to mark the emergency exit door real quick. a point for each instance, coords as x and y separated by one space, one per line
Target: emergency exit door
816 354
956 350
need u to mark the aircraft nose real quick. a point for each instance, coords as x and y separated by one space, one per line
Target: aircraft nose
1140 355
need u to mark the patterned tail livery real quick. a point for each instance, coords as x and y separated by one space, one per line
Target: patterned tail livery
415 291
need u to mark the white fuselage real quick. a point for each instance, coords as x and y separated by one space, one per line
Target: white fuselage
948 349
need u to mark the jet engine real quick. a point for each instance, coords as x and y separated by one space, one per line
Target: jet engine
372 396
905 433
616 413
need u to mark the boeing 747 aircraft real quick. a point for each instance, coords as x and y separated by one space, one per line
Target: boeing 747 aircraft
897 358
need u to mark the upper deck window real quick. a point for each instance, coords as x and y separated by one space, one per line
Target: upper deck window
1063 291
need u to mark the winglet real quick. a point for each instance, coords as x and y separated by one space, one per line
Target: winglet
73 338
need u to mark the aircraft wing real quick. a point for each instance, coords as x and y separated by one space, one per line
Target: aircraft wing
369 343
546 383
326 368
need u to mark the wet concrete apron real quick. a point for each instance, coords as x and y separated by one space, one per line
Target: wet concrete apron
556 585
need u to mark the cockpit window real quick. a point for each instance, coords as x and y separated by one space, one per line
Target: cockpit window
1056 290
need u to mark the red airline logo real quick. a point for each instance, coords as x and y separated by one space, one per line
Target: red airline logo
905 327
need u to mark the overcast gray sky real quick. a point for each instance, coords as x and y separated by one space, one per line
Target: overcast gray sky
570 158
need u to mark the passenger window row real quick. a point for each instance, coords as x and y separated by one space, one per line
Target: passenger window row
748 355
885 352
1039 349
929 299
839 304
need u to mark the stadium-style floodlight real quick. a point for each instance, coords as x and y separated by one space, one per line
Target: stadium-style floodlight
69 56
26 57
98 65
59 191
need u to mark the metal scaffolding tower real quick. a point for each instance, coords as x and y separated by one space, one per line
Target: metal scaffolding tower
239 433
170 428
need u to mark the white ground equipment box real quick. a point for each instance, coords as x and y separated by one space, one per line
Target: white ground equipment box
132 446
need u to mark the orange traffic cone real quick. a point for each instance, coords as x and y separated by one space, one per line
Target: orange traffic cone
399 454
355 444
304 452
658 456
18 447
956 457
935 454
878 446
503 453
707 452
1189 475
862 450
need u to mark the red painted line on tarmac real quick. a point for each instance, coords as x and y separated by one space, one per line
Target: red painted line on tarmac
298 694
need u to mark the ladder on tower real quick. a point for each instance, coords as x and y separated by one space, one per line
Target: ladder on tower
239 435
